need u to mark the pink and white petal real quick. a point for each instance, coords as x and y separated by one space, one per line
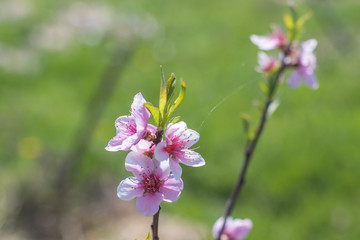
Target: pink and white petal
171 188
162 169
130 141
129 188
174 130
241 228
263 60
122 123
149 204
143 146
217 227
175 168
191 158
308 60
311 81
231 227
139 164
140 112
115 144
309 45
189 138
160 152
294 80
277 30
264 42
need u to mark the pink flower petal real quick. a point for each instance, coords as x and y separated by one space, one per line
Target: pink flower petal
139 164
191 158
179 133
115 144
149 203
236 229
217 227
140 113
175 168
309 45
311 81
143 146
122 123
161 169
240 228
129 189
263 60
160 152
171 189
294 80
175 129
189 138
130 141
264 42
124 130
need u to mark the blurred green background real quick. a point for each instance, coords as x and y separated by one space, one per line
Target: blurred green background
69 69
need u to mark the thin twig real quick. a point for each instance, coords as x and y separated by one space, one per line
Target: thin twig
155 226
251 147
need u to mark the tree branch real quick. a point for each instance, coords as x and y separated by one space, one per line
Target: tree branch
155 226
249 150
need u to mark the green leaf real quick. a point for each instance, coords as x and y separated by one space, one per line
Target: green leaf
290 25
171 85
179 99
300 23
174 119
146 238
154 112
288 20
163 95
293 11
264 87
249 133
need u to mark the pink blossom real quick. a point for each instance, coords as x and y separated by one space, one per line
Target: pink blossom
266 64
176 148
275 40
235 229
152 183
145 147
305 66
131 129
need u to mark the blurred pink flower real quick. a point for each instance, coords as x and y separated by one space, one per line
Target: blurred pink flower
305 66
175 148
266 63
152 183
235 229
272 41
131 129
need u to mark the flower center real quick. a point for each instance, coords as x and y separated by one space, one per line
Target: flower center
131 127
173 149
151 184
149 136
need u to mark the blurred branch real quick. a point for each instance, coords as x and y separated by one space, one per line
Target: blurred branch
40 215
250 148
93 112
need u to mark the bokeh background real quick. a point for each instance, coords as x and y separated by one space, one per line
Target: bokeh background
68 69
